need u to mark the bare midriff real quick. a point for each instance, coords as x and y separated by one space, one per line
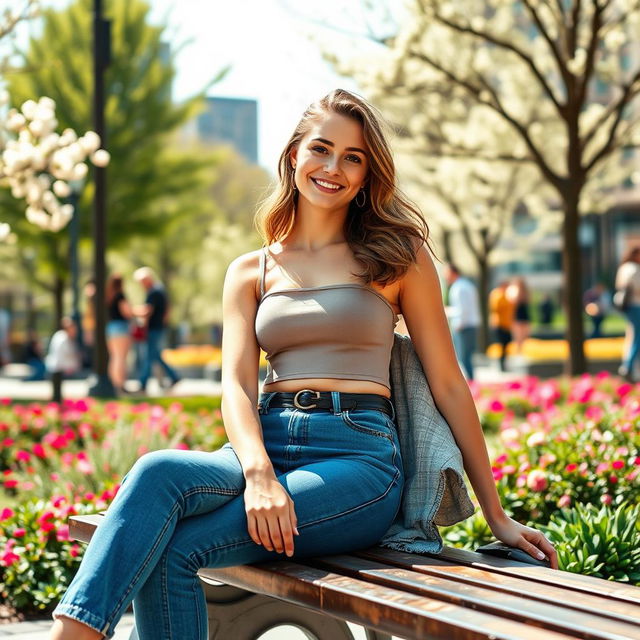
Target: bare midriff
329 384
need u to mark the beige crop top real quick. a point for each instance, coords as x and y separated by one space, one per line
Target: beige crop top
331 331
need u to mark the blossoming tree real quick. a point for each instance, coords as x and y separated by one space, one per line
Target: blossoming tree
552 85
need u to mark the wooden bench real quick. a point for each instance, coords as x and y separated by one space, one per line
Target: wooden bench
453 595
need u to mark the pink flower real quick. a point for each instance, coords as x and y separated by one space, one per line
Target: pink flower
6 513
572 466
497 473
57 501
62 533
496 405
22 455
38 450
605 498
10 484
501 459
602 467
74 550
564 501
508 469
7 442
537 480
8 558
19 533
618 464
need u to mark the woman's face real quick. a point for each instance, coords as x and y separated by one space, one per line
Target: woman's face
331 161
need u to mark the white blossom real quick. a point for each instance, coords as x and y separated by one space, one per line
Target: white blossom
36 162
5 230
101 158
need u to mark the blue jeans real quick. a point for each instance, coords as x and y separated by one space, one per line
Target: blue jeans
464 341
633 317
153 353
179 511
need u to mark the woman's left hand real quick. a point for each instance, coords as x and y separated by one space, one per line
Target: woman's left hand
519 535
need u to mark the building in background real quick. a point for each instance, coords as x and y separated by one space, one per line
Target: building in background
231 121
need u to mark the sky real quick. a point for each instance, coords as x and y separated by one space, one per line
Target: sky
272 47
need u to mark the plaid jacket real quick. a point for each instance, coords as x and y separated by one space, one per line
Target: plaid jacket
434 491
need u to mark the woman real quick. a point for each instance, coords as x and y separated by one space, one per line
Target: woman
308 472
518 293
119 315
628 276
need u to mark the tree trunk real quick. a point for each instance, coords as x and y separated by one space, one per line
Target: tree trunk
483 295
573 286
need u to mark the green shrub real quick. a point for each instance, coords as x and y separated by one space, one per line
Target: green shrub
602 542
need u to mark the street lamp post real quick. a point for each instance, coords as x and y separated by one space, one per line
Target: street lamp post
74 236
102 387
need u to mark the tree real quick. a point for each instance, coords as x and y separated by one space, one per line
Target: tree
192 258
554 82
147 172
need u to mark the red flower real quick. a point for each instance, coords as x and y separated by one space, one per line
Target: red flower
618 464
38 450
19 533
22 455
6 513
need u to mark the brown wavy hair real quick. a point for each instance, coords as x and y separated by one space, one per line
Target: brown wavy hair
386 232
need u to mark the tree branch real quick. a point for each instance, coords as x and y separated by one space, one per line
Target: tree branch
509 46
552 45
498 108
609 146
596 24
626 97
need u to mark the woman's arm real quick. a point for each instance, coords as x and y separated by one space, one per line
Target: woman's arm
270 513
125 309
423 310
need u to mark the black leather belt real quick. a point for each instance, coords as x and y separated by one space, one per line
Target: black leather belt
308 399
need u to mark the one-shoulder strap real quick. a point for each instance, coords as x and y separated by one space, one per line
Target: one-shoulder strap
263 270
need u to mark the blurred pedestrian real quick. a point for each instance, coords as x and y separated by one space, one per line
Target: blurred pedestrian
156 312
63 357
119 320
628 279
464 316
33 356
501 310
518 294
596 305
546 310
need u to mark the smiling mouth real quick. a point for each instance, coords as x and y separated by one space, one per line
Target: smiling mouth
325 186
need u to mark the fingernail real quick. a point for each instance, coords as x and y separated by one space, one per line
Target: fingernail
296 530
540 555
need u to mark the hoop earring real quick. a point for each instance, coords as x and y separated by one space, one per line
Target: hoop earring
364 198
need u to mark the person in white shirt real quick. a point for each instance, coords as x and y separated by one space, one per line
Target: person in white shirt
628 276
63 355
464 316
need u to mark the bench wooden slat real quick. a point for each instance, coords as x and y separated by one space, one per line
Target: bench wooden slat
385 609
574 581
548 615
488 576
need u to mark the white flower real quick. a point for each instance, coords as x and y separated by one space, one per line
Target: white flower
61 189
47 103
29 109
5 230
15 121
4 97
101 158
90 141
80 171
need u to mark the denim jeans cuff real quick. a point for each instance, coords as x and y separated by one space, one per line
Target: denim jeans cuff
82 615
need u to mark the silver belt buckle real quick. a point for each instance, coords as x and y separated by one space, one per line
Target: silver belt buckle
296 402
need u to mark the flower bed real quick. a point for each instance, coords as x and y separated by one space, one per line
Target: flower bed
560 445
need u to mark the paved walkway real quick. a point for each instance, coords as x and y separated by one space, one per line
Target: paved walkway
12 386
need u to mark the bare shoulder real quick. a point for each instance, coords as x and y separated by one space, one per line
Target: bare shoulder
243 271
422 272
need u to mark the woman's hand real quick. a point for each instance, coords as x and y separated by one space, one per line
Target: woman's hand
519 535
271 517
